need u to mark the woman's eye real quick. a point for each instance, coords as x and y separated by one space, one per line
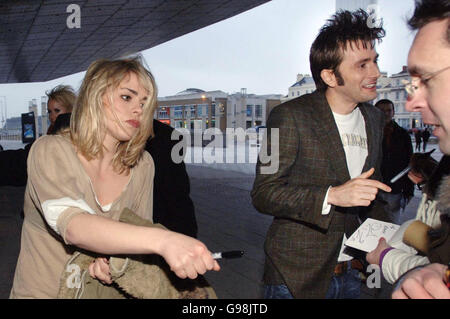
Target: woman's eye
57 110
126 97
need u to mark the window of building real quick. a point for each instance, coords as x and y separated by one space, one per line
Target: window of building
163 114
249 110
205 108
193 111
178 112
258 110
397 95
179 124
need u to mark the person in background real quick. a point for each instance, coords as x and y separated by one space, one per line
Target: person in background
13 163
397 151
172 205
418 139
61 99
425 137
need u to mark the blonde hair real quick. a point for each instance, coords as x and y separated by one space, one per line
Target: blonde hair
88 121
64 94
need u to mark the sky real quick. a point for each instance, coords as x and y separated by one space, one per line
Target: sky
261 50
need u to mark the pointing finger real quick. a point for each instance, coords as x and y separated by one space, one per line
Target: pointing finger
375 183
367 174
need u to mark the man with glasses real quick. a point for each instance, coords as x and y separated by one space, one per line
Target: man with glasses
429 93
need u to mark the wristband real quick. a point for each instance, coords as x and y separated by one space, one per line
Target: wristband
383 253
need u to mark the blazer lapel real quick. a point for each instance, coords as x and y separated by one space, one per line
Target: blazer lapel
325 127
371 138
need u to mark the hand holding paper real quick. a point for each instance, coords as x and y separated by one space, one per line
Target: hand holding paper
373 257
367 236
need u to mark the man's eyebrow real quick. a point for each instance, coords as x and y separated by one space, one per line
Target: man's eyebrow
417 70
368 59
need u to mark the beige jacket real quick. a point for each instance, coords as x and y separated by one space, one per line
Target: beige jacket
58 189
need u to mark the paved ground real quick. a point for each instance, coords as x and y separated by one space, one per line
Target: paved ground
11 204
226 218
228 221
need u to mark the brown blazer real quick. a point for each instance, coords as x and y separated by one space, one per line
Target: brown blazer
302 245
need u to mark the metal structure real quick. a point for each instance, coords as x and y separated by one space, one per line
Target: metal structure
41 40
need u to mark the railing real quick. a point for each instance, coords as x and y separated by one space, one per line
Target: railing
11 137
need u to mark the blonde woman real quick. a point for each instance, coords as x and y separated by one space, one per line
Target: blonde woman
61 100
79 183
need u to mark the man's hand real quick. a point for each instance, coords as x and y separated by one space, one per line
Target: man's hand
359 191
374 256
424 283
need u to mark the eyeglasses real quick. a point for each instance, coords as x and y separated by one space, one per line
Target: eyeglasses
412 86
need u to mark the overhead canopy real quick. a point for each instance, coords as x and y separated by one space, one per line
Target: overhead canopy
48 39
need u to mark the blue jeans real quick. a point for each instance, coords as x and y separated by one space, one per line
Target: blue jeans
277 292
345 286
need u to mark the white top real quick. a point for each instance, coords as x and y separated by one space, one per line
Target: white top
352 130
398 261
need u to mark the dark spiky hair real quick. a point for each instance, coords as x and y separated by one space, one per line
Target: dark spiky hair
428 11
344 29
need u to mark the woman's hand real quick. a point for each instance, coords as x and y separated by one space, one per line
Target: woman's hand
99 269
374 256
186 256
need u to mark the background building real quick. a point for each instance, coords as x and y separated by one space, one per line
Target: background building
304 85
193 109
196 109
388 87
393 88
44 116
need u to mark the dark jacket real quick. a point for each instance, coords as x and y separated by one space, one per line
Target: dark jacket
13 163
13 167
172 206
397 151
302 245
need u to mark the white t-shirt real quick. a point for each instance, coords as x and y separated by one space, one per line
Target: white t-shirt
352 130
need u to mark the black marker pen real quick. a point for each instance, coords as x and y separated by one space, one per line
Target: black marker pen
228 254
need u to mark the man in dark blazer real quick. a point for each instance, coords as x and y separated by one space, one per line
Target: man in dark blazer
172 205
329 162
